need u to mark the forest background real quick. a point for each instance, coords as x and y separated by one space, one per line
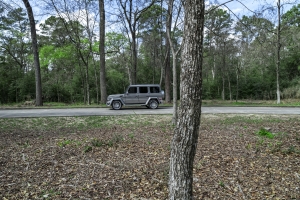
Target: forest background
249 56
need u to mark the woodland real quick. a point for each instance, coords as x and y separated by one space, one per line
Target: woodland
72 56
253 56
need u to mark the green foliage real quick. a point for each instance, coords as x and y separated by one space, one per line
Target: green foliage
291 17
265 133
221 183
97 143
87 149
64 143
244 65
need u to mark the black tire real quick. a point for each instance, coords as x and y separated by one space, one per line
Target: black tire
116 105
153 104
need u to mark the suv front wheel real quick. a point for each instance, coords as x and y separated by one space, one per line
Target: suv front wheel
153 104
116 105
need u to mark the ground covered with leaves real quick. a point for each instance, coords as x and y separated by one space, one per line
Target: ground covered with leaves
127 157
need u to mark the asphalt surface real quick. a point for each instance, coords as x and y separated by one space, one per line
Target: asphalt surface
41 112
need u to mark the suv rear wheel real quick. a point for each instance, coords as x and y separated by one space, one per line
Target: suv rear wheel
116 105
153 104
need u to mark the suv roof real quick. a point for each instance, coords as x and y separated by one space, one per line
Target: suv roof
137 85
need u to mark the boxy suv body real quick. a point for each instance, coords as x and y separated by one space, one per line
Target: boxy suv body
149 95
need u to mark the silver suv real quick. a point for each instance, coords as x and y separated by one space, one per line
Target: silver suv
149 95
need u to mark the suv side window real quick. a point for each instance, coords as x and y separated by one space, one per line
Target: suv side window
143 89
154 89
132 90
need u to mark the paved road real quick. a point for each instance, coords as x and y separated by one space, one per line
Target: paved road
41 112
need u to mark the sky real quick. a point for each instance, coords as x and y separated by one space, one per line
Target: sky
237 7
247 7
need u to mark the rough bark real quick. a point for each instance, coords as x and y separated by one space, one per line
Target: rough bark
186 133
38 82
102 53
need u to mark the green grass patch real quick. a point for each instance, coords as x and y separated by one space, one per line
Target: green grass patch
265 133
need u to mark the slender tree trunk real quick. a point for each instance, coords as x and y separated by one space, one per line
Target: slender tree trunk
278 54
174 54
237 83
223 87
38 82
229 87
168 75
96 79
175 104
102 53
134 58
224 71
167 60
88 101
186 133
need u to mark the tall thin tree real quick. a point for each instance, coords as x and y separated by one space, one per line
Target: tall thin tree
102 52
38 82
278 51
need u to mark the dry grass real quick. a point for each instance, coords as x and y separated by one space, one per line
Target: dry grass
126 157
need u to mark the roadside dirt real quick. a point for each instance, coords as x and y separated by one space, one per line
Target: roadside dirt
131 162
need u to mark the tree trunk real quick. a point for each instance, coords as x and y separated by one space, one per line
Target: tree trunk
229 87
223 87
174 54
168 75
102 53
237 82
96 79
278 54
88 101
134 56
38 82
175 113
167 60
186 133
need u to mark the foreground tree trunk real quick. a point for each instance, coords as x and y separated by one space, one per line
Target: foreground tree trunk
38 82
185 137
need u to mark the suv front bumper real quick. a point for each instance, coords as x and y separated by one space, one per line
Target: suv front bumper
108 103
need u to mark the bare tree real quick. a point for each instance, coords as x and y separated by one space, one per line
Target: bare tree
38 82
279 8
186 133
174 56
131 14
